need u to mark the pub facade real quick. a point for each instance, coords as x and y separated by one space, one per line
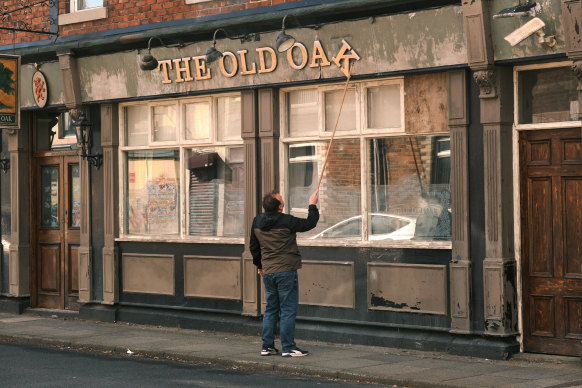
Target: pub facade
449 217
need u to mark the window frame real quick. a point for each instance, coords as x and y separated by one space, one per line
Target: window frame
184 146
516 102
364 134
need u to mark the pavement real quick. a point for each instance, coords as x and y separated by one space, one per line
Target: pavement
379 365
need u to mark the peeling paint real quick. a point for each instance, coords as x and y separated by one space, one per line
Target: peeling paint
378 301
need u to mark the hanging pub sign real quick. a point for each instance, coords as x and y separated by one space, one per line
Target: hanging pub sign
10 91
298 57
39 89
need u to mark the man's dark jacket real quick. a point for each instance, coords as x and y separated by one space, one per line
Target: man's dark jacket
273 240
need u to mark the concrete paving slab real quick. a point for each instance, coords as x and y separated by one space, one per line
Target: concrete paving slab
487 381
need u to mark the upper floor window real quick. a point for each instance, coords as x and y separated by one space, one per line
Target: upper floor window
86 4
546 95
84 11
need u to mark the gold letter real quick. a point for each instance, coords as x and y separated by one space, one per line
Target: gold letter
164 65
261 52
201 71
303 51
186 69
234 64
243 63
318 53
341 56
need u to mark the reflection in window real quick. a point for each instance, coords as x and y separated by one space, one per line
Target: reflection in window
302 175
153 188
410 187
339 192
49 196
547 95
216 192
74 197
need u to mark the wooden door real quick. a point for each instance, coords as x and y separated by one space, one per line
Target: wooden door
551 224
57 212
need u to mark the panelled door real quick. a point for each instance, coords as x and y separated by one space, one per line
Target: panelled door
57 213
551 224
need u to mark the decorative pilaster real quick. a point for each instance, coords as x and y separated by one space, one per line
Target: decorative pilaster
110 144
19 272
460 265
85 249
486 81
251 282
499 268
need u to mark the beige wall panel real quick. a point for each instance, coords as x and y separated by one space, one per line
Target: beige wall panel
407 287
148 274
326 283
212 277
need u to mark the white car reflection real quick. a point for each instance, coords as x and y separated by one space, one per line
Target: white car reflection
382 227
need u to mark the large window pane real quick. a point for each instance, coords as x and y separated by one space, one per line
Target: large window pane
229 118
216 192
347 120
164 122
197 120
339 192
302 112
137 124
409 188
383 107
153 188
302 174
49 196
547 95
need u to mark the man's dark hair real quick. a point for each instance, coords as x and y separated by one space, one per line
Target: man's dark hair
270 203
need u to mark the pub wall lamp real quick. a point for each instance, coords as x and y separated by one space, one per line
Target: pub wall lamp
83 131
147 61
212 54
284 41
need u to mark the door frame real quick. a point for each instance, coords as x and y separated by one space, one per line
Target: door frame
34 215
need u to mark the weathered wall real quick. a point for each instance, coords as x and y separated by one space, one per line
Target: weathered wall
431 38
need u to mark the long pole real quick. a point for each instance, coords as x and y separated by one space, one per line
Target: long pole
335 127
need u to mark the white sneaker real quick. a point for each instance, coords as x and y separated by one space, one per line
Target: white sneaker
295 353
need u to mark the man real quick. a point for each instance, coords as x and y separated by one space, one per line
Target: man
274 248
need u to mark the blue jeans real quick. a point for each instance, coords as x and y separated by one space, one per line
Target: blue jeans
282 294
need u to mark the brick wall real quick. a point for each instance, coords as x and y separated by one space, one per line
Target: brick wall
125 13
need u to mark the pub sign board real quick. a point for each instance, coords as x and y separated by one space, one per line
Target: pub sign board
10 91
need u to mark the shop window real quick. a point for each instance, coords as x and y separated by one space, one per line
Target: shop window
153 187
216 192
546 95
382 184
54 132
166 142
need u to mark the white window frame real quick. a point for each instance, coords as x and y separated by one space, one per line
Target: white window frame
184 146
557 124
168 143
363 109
322 117
363 134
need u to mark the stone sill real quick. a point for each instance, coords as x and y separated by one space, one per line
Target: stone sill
85 15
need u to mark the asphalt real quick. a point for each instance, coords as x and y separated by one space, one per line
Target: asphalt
380 365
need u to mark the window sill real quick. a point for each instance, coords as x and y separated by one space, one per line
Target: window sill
186 240
85 15
378 244
197 1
